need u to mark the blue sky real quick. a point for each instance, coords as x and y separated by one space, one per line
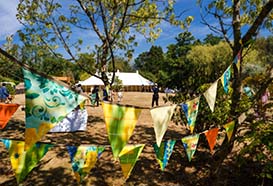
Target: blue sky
9 25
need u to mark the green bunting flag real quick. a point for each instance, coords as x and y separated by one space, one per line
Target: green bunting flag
128 158
47 103
83 159
190 144
164 152
161 117
229 129
120 124
22 161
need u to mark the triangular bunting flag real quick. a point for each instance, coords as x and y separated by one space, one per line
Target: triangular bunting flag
128 158
47 103
229 129
6 111
190 144
211 136
210 95
237 60
191 109
120 124
83 159
225 78
164 152
161 117
74 121
22 161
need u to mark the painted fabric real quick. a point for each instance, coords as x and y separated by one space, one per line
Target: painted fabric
225 78
190 144
74 121
120 124
229 129
83 159
191 110
237 60
164 152
128 158
23 162
47 103
211 136
210 95
6 112
161 117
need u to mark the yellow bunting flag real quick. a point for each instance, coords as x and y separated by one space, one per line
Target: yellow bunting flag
120 123
211 136
83 159
229 129
47 103
22 161
6 111
190 144
161 117
210 95
128 158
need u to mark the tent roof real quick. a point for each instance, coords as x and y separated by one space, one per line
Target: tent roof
128 79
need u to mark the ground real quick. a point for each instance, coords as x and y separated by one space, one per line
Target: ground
55 168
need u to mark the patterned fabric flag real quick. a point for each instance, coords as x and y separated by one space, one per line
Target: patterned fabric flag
22 161
6 111
47 103
74 121
164 152
83 159
120 124
210 95
211 136
229 129
161 117
237 60
128 158
191 109
225 78
190 144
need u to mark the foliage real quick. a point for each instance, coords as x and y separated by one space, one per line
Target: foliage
117 86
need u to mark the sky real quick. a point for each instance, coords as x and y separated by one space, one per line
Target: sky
9 25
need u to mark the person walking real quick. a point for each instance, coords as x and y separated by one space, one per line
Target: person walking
155 95
4 94
119 95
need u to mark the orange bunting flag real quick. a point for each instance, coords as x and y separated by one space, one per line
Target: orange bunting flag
211 136
161 117
6 111
128 158
229 129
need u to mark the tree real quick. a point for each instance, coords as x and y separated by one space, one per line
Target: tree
212 40
114 23
239 24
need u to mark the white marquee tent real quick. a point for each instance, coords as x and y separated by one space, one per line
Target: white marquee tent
130 81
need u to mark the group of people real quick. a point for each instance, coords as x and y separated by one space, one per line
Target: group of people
4 94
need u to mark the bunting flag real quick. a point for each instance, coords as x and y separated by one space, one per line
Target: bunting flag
211 136
74 121
47 103
120 124
225 78
128 158
191 109
161 117
6 111
190 144
83 159
237 60
229 129
210 95
164 152
22 161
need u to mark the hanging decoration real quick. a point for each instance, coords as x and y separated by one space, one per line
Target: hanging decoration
225 78
229 129
190 144
210 95
211 136
161 117
191 110
120 124
6 112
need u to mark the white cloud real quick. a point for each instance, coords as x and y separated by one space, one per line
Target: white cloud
8 21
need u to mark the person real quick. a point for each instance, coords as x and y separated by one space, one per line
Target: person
104 95
95 96
4 94
78 88
119 95
155 95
